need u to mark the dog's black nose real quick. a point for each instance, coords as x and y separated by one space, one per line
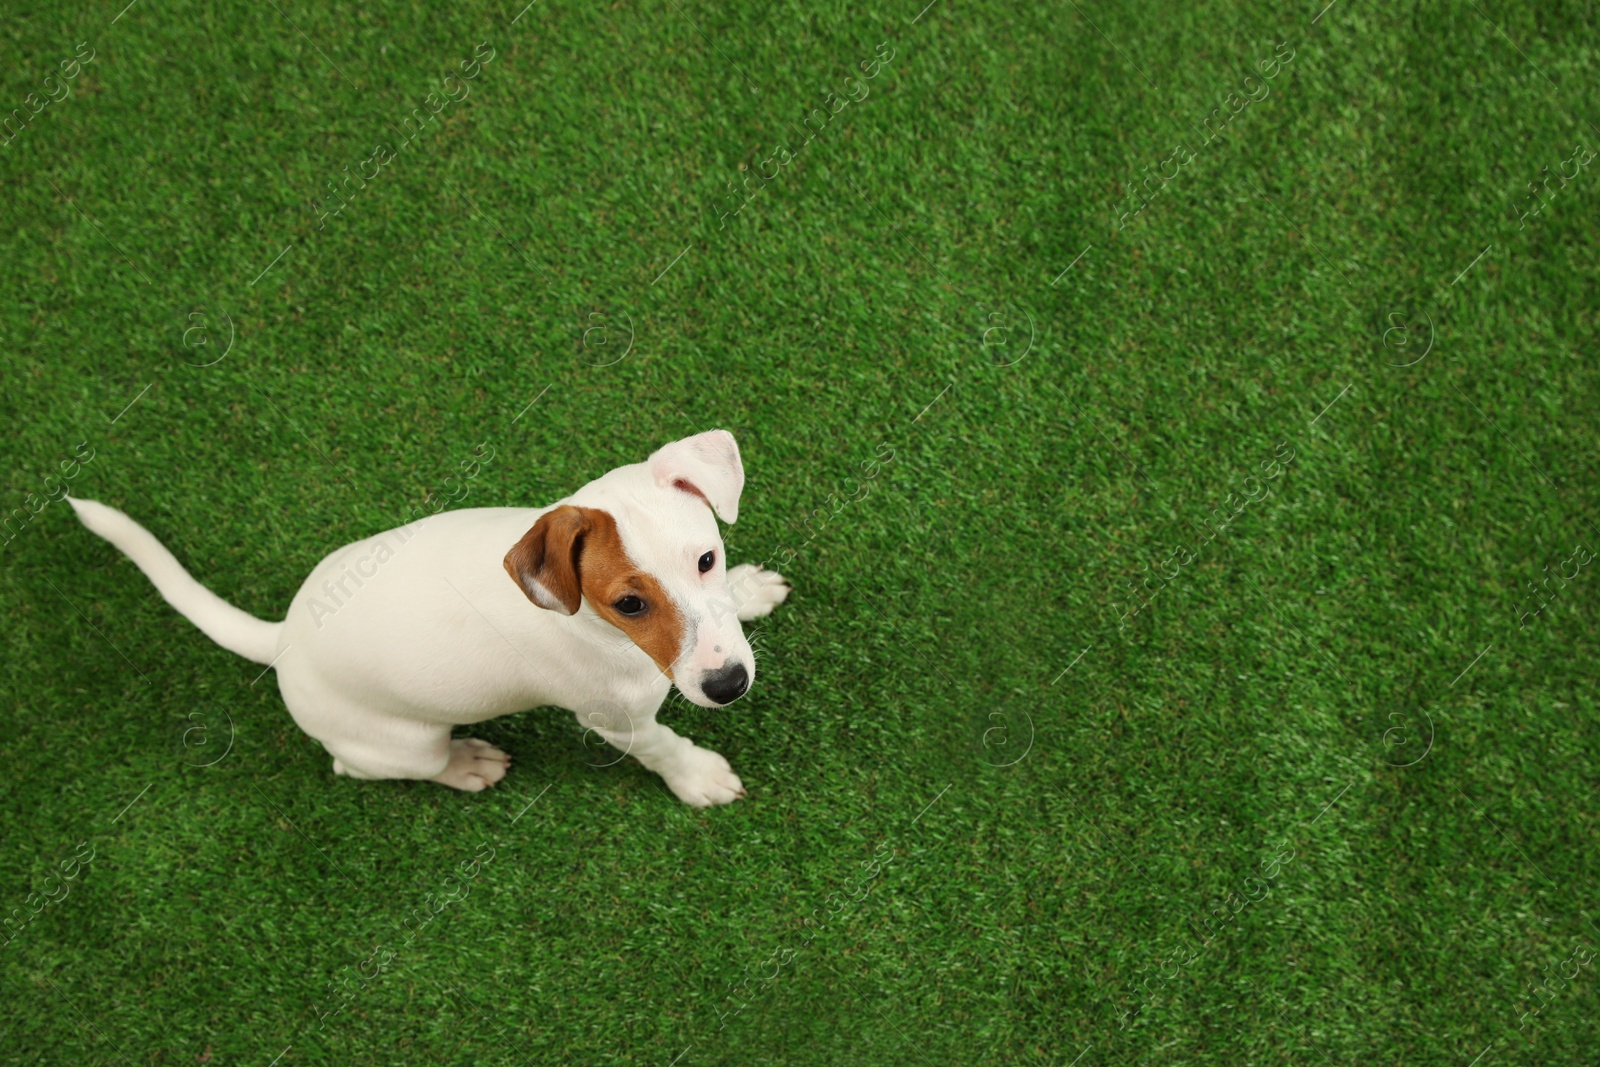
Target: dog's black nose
726 684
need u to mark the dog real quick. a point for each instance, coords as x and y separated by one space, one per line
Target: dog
598 603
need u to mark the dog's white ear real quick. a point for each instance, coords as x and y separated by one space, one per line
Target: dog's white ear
544 563
706 465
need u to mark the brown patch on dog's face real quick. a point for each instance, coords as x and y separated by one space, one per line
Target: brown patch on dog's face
610 577
573 549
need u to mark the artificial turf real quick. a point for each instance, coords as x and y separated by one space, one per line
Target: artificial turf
1165 680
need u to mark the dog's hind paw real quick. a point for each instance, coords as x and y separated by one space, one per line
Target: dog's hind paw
474 765
755 591
701 778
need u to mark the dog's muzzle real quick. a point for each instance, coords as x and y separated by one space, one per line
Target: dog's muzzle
725 684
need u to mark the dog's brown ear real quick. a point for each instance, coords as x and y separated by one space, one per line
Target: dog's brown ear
544 564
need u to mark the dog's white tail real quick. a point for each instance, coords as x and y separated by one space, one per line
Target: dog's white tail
234 630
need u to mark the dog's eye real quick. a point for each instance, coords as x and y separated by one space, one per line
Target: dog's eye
629 605
708 561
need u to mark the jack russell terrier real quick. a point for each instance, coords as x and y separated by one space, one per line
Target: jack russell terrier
599 603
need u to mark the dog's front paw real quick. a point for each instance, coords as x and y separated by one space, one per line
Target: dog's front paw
701 778
755 591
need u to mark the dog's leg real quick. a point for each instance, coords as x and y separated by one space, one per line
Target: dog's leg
697 776
461 763
367 743
755 591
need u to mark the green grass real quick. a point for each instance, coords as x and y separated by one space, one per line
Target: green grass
1066 791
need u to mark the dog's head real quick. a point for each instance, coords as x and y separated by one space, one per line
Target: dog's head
639 547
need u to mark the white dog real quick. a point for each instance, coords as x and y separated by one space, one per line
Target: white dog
395 639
